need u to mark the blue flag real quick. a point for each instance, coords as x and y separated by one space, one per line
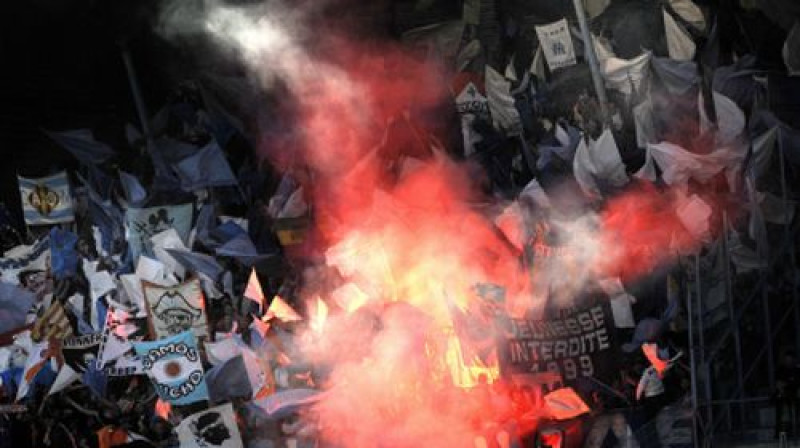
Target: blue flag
82 145
174 366
46 200
207 168
63 255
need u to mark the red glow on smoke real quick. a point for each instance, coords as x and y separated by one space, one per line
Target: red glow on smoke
642 231
401 230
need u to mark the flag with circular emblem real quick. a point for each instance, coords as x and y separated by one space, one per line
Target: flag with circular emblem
46 200
174 366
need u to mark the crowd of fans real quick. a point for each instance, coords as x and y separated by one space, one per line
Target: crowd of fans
555 121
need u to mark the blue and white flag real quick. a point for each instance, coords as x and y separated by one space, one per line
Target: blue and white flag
174 366
142 223
26 264
46 200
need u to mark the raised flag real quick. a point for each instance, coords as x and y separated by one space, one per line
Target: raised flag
81 144
261 328
174 309
279 309
142 223
599 164
125 366
229 380
626 75
505 116
564 404
80 352
207 168
174 366
120 327
286 401
556 44
213 427
253 290
46 200
63 253
680 45
22 260
54 323
38 355
65 377
14 305
791 50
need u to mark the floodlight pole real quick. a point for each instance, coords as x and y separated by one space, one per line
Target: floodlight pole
591 57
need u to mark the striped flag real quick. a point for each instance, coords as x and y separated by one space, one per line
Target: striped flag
46 200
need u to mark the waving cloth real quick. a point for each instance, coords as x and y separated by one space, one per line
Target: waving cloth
173 365
174 309
213 427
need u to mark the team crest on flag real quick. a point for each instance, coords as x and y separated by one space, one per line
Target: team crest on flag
215 427
175 309
174 366
46 200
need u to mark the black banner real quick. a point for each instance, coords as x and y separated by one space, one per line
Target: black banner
579 344
79 351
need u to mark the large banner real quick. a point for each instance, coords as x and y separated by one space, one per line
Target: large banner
579 344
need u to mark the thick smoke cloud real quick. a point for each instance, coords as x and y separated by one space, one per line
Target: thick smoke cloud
402 233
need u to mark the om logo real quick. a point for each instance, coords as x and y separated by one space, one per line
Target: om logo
43 199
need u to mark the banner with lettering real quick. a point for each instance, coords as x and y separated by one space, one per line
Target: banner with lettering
174 366
556 44
579 344
80 351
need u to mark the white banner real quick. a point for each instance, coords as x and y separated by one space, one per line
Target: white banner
556 44
215 427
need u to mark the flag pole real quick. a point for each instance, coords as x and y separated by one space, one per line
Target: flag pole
591 57
141 110
136 92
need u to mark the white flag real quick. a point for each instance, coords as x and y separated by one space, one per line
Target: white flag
556 44
215 427
253 290
505 116
679 42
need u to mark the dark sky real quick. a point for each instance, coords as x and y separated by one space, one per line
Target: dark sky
62 69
